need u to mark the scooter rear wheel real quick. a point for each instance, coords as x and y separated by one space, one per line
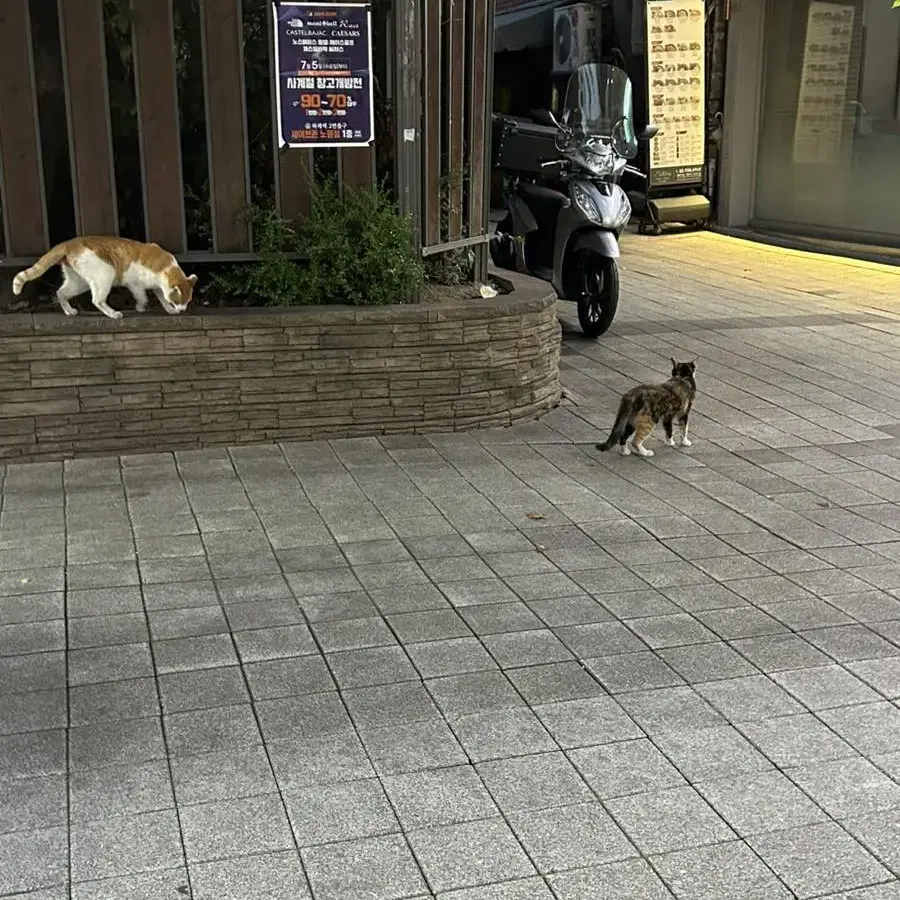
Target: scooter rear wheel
599 299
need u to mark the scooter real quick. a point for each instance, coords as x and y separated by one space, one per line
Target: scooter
565 214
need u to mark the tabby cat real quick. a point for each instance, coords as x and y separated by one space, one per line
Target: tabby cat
97 264
642 407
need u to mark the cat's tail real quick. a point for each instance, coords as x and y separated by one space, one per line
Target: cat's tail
619 429
47 261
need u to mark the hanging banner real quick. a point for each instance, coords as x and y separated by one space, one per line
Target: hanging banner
323 61
676 76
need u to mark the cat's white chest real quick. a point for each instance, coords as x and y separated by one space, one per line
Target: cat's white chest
139 276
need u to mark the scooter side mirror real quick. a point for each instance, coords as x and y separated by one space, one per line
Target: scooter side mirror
544 117
650 131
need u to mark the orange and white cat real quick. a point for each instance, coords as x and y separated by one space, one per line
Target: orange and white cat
97 264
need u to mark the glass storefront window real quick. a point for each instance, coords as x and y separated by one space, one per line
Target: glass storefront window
829 147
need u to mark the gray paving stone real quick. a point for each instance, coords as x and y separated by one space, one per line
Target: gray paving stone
230 828
208 651
263 614
390 704
457 568
260 588
145 886
720 873
848 787
412 747
825 687
673 819
602 639
881 674
669 709
632 672
625 767
463 695
740 622
373 666
358 870
173 595
442 796
35 711
33 753
189 622
208 730
115 743
880 834
17 610
353 634
202 689
814 859
583 723
123 661
571 837
270 876
222 775
33 859
629 880
870 728
850 643
803 615
702 754
524 648
780 652
32 637
553 682
524 562
761 802
694 598
274 643
705 662
455 656
636 605
796 741
533 782
322 759
678 630
498 618
32 803
519 889
502 734
469 854
324 814
102 575
431 625
120 790
288 718
749 699
478 592
33 672
126 845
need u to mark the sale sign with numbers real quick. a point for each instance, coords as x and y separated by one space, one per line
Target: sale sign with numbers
323 58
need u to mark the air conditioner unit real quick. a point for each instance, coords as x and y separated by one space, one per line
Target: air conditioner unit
575 36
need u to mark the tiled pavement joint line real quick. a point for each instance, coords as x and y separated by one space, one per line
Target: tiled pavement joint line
150 644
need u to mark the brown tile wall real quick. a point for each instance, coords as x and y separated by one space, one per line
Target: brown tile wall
89 385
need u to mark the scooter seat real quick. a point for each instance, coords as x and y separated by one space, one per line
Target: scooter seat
544 202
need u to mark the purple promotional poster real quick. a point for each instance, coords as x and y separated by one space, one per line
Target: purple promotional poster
323 57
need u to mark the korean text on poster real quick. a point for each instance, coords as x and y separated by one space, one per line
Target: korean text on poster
323 58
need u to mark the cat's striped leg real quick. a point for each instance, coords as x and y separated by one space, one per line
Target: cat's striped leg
683 422
670 438
643 426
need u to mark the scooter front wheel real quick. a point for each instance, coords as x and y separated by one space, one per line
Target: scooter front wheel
599 298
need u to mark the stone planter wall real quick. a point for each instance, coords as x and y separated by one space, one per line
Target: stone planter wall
89 385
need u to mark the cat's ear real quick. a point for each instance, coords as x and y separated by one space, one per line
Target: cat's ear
192 278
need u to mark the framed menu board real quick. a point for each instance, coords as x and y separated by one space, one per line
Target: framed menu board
823 126
676 78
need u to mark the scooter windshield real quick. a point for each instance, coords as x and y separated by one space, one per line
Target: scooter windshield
597 112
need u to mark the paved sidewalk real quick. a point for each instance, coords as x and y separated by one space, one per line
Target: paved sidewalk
495 666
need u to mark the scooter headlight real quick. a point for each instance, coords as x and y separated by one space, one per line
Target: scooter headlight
585 202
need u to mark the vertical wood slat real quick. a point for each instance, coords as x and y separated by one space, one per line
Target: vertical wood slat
90 131
479 122
356 167
456 86
294 170
407 78
431 123
21 173
226 123
158 122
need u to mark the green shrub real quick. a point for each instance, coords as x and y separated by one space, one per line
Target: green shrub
354 249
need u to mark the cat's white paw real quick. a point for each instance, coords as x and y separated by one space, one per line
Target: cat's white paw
686 443
71 311
115 314
625 450
670 442
643 451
